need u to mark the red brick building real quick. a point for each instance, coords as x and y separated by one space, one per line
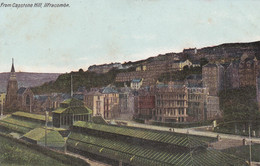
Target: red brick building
144 105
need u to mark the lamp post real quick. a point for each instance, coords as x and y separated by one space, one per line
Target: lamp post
46 122
2 106
71 85
250 148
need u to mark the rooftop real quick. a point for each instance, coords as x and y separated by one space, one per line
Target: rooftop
139 155
31 116
108 90
183 140
73 106
54 138
136 80
21 90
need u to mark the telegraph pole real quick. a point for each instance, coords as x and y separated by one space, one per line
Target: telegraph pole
71 84
2 106
250 153
30 105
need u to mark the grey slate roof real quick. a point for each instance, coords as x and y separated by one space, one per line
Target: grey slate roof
41 97
108 90
137 80
79 96
21 90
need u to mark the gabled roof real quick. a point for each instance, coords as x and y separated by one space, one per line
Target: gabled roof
137 80
99 120
65 96
79 96
93 93
21 90
73 106
108 90
53 137
73 110
41 98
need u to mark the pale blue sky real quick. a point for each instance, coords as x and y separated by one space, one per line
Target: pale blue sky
103 31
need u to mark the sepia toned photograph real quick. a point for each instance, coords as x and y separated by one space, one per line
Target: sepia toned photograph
129 83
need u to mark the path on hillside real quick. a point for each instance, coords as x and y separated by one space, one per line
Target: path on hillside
91 162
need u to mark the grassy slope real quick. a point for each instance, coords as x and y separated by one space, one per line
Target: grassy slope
14 153
243 152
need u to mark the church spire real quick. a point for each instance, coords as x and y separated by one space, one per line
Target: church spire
12 69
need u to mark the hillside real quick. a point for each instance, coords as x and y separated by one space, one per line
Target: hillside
89 79
230 50
27 79
80 79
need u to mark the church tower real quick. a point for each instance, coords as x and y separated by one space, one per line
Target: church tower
12 87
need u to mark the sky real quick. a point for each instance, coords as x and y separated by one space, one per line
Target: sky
103 31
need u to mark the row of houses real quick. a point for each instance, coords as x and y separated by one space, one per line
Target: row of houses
150 71
166 103
238 73
174 102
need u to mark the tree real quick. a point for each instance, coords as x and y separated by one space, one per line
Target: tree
203 61
81 70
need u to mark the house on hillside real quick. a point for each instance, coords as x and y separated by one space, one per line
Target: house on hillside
212 78
111 102
136 83
179 65
95 101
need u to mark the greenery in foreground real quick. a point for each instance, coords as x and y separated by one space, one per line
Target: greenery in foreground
240 110
239 104
14 153
243 152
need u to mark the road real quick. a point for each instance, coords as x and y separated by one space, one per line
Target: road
193 131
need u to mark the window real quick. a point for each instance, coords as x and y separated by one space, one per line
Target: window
28 100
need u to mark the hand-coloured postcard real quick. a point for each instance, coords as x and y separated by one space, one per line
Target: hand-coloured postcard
129 82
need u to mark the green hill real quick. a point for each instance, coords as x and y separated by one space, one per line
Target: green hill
80 79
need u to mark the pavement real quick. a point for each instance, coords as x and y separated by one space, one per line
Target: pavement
195 131
90 161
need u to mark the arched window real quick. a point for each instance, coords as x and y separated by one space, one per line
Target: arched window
28 100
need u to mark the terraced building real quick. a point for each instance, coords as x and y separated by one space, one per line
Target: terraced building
131 146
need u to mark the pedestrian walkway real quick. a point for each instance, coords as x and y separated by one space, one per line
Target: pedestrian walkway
91 162
194 131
